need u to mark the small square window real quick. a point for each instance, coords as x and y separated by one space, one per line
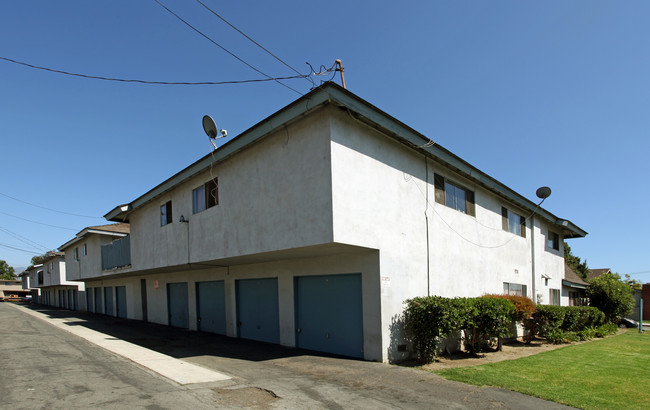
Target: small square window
206 196
553 241
513 222
166 213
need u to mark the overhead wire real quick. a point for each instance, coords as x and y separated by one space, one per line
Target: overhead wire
36 222
253 41
49 209
23 239
123 80
19 249
224 49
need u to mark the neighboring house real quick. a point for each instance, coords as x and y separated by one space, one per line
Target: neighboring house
94 251
50 279
594 273
9 287
311 229
574 288
28 283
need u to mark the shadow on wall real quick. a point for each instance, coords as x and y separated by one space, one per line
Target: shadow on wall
400 348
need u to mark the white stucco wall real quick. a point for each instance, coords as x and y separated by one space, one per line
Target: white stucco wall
89 266
379 201
274 195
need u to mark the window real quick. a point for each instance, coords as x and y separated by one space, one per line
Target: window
454 196
166 213
76 254
85 249
553 241
554 296
40 277
206 196
514 289
513 222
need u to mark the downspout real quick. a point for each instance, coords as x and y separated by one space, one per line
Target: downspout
532 252
426 221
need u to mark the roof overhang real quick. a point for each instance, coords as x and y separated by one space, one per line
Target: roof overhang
574 285
88 231
330 93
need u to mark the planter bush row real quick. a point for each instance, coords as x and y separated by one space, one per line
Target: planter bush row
484 319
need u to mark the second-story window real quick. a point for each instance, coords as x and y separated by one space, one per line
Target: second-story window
85 250
205 196
76 254
513 222
454 196
553 241
166 213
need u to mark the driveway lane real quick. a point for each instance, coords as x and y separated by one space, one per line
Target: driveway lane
272 376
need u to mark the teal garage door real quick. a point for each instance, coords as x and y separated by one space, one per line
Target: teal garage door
90 307
120 301
329 314
108 301
211 307
257 309
98 300
177 305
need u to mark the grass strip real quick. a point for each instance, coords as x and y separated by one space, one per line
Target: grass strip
610 373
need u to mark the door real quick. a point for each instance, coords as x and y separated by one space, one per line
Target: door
177 305
329 315
211 307
257 309
108 301
89 300
120 301
143 298
98 300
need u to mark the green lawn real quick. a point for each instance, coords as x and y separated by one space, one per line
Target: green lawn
607 373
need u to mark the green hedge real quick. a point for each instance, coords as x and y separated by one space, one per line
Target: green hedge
482 320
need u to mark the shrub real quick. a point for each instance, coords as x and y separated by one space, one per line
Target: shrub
487 318
524 306
430 318
611 295
547 318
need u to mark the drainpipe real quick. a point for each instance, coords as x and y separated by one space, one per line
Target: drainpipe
532 253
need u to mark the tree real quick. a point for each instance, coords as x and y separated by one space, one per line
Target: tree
575 262
633 283
39 259
611 295
6 271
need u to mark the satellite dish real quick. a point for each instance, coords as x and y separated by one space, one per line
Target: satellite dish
543 192
209 126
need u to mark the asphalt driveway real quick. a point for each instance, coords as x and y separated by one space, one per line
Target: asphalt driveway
272 376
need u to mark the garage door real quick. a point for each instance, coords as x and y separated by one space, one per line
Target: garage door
120 301
257 309
89 300
211 307
329 315
98 300
108 301
177 305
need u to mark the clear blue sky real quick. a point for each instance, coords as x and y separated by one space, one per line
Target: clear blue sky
550 93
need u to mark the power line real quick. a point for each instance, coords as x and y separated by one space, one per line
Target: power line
23 239
253 41
224 49
18 249
49 209
36 222
123 80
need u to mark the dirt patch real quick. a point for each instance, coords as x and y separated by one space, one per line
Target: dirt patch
245 397
510 351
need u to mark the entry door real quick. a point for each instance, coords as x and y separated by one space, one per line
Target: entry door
177 305
108 300
257 309
329 315
120 301
98 300
211 307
